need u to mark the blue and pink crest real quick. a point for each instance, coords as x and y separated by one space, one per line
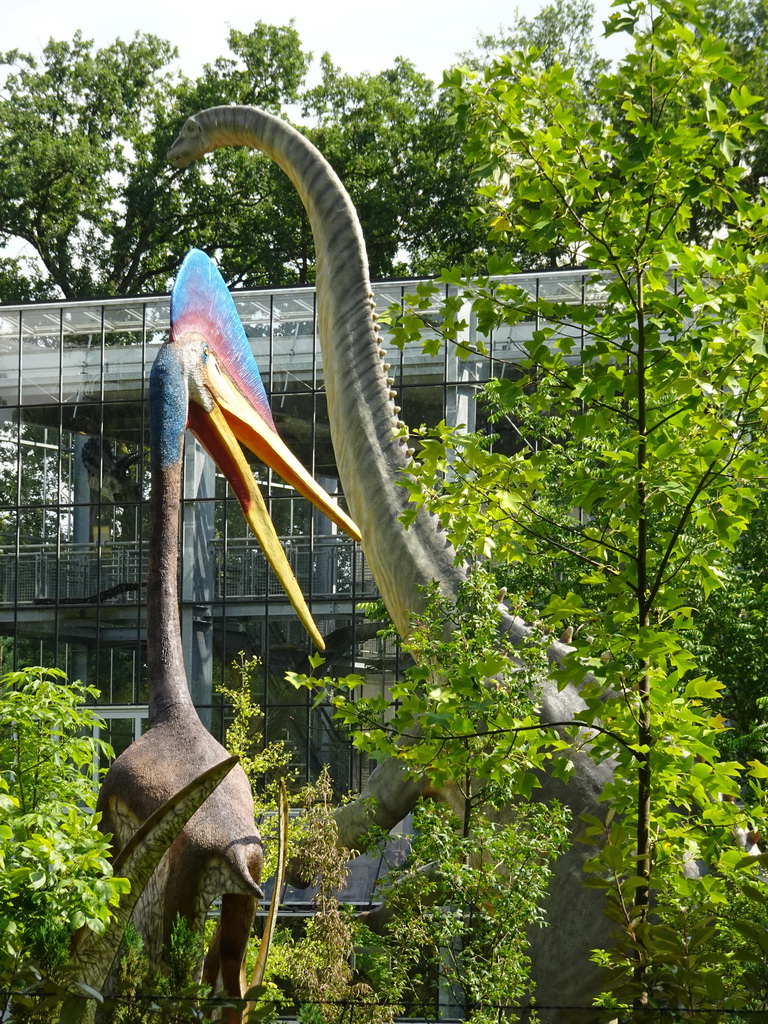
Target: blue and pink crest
201 303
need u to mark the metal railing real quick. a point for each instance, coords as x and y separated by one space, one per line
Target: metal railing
326 567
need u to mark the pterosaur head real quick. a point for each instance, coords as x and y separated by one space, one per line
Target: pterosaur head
206 376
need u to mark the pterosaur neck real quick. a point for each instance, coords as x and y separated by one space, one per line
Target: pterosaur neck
168 404
165 658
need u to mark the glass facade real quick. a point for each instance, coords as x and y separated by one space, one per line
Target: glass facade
74 483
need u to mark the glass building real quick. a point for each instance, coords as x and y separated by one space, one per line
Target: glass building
74 483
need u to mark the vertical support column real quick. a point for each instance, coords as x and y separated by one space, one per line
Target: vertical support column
460 401
197 562
461 375
81 535
324 743
323 564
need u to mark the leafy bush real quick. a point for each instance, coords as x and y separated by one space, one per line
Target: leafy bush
55 875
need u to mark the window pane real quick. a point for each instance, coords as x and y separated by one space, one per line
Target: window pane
40 356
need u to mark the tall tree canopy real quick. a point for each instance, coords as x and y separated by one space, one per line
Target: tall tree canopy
74 136
83 137
84 131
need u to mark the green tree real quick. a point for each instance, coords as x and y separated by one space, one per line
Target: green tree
85 181
248 210
733 630
651 396
743 24
460 910
268 70
68 129
562 32
390 139
464 722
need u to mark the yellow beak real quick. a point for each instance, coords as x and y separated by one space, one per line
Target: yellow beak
212 430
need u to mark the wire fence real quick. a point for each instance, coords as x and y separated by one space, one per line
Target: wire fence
167 1009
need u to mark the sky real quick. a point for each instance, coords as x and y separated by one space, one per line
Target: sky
359 35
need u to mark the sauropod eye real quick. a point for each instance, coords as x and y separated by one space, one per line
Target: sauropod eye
190 127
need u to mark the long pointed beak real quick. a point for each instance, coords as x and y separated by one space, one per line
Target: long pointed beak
266 444
213 432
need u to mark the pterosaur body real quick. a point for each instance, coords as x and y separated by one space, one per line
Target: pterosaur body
204 378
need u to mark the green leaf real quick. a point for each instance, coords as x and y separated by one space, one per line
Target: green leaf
708 689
